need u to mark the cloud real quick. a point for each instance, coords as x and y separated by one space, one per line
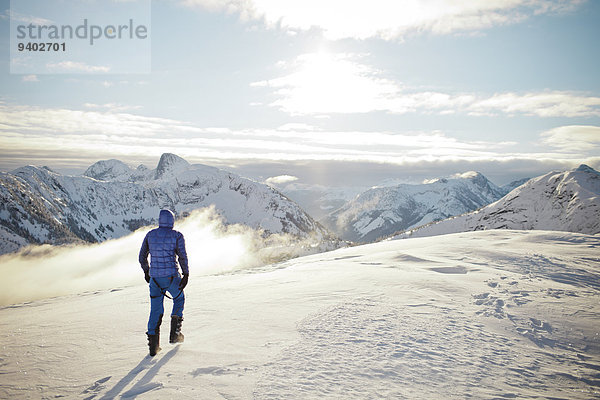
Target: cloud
64 138
76 67
29 119
281 179
329 83
114 107
30 78
26 19
325 83
295 126
45 271
573 138
543 104
364 174
386 19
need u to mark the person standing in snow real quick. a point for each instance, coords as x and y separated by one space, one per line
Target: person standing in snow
166 247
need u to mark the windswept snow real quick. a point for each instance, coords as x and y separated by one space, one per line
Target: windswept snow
488 314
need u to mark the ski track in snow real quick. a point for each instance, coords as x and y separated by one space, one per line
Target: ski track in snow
482 315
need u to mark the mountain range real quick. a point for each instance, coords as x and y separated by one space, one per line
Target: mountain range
111 199
561 201
382 211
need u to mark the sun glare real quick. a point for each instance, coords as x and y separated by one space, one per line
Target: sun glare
325 82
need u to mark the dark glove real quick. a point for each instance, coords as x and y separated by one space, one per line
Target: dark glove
147 276
184 281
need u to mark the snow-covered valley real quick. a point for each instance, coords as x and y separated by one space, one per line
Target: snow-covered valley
487 315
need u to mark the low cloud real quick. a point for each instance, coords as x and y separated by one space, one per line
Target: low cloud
64 138
281 179
40 272
337 174
92 135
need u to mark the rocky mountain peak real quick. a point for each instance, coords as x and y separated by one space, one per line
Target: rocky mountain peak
586 168
170 164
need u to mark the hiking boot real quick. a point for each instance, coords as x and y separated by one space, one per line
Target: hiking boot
176 336
154 340
154 344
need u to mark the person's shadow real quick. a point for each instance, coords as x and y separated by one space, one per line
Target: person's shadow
145 384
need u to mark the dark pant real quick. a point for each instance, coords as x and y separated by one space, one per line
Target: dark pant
158 286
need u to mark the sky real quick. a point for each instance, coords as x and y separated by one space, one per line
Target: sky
332 93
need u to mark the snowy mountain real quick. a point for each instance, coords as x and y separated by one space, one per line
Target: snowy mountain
111 199
563 201
382 211
509 187
477 315
114 170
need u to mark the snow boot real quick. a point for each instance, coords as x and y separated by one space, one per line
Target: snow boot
154 340
176 336
154 344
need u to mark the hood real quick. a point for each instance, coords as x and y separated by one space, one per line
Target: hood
166 219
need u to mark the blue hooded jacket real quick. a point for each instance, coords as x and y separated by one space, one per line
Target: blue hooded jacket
163 244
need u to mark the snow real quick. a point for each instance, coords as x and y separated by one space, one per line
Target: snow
112 199
487 314
170 165
382 211
566 201
10 242
110 170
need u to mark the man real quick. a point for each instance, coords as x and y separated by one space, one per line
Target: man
167 251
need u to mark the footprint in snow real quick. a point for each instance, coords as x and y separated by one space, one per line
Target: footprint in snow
96 387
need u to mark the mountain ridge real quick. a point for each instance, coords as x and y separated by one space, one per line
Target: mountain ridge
559 200
112 199
381 211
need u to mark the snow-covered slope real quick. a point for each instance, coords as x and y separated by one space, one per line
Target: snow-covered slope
563 201
482 315
382 211
112 199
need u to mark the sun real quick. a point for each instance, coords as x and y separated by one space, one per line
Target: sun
326 82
